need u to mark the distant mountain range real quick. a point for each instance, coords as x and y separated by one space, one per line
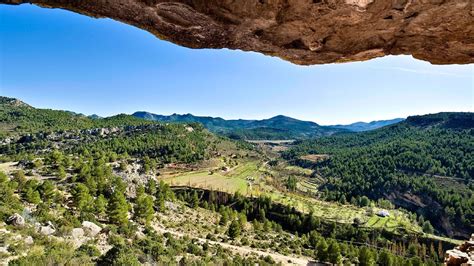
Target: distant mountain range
278 127
17 116
363 126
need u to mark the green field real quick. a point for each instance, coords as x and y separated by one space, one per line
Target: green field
347 213
235 180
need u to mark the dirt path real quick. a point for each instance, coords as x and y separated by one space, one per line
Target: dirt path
285 260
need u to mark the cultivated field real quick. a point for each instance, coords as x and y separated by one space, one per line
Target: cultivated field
236 179
230 180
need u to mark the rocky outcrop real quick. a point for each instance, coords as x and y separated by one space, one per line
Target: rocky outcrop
424 205
47 230
301 31
77 233
91 229
462 255
16 220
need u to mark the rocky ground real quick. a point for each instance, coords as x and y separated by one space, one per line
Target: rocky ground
23 233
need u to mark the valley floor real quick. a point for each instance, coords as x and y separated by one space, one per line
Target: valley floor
253 178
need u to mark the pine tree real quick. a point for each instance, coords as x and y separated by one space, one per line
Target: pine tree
160 201
140 191
427 227
144 208
412 250
224 218
385 258
313 238
61 172
7 198
261 215
118 209
82 199
364 201
365 257
242 219
342 200
334 253
234 229
47 191
322 250
152 187
416 261
32 196
291 183
194 200
100 205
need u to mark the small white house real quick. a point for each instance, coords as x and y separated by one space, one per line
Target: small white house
383 213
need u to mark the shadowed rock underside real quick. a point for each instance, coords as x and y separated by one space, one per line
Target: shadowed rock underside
304 32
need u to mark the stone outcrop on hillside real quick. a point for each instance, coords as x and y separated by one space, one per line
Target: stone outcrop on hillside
91 229
462 255
301 31
16 220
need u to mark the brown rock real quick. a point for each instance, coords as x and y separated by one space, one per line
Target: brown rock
461 255
456 257
301 31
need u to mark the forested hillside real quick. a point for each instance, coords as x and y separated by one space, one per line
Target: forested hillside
125 191
409 163
34 132
17 117
276 128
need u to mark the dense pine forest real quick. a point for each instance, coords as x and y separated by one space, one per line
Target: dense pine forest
416 157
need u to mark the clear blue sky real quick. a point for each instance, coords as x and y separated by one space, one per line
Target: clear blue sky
61 60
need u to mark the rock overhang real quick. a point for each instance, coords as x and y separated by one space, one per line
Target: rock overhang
304 32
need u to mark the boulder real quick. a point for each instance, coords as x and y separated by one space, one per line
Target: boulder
4 250
47 230
91 229
16 220
77 233
29 240
140 235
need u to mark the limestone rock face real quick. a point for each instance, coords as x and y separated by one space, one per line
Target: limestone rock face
462 255
301 31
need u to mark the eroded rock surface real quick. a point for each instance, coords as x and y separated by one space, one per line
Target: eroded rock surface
301 31
462 255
